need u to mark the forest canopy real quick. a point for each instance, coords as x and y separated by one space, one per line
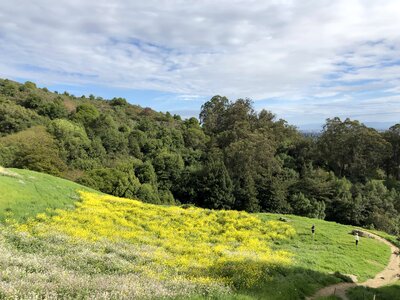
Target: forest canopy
233 157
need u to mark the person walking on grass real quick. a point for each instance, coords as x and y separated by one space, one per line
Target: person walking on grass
313 230
357 237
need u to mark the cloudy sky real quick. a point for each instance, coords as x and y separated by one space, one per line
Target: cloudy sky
303 60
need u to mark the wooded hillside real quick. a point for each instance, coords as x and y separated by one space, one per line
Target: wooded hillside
233 158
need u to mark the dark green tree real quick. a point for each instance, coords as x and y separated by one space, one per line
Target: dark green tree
351 149
215 189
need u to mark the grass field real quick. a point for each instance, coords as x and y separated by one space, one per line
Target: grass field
315 261
333 248
104 247
24 193
390 292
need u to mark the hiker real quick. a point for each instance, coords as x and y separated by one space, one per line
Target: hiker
313 230
357 239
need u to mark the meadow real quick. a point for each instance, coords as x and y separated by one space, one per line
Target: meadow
390 292
25 193
94 246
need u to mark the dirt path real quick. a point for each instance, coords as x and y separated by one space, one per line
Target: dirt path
388 275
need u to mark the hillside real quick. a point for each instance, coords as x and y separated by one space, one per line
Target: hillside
390 292
109 247
24 193
348 173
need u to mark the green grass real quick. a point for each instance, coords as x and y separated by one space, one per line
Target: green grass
28 193
390 292
391 238
314 261
333 249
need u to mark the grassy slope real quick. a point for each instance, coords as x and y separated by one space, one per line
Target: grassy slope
30 193
332 250
390 292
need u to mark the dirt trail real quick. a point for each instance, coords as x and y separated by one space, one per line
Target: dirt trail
388 275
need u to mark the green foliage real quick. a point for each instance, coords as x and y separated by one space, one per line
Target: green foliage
168 166
73 141
303 206
146 174
86 114
212 113
234 158
106 128
351 149
112 181
8 88
147 193
118 102
393 161
52 109
14 118
29 85
33 101
33 149
215 189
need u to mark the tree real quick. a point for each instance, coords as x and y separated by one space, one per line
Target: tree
33 149
379 206
53 110
147 193
112 181
33 101
273 190
106 128
118 102
393 161
303 206
73 141
215 188
14 118
212 114
351 149
168 167
86 114
146 174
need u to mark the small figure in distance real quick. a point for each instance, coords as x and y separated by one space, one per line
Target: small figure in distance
357 239
313 230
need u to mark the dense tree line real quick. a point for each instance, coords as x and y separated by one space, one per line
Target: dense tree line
232 158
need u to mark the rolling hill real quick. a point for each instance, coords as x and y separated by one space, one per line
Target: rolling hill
62 240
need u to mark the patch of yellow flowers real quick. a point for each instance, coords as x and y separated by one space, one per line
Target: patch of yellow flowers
230 247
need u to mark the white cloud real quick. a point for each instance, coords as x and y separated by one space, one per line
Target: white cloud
257 49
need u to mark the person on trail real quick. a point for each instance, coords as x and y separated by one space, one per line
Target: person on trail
357 239
313 230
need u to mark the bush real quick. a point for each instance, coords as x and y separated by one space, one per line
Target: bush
14 118
33 149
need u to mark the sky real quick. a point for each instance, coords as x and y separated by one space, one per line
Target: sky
303 60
